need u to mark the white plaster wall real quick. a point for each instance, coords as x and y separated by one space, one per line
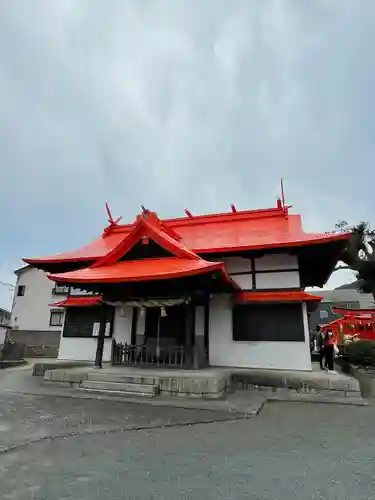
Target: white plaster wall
245 281
31 311
122 327
82 349
273 262
141 325
237 264
305 318
3 331
224 351
287 279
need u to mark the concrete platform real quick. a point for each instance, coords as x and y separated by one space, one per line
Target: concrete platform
208 383
316 380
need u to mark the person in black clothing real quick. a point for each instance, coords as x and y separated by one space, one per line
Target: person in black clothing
329 350
320 344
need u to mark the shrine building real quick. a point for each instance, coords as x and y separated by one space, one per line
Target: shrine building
223 290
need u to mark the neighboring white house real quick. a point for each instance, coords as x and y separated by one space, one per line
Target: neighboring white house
33 294
34 322
4 324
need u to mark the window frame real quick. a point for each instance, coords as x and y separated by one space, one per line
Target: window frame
21 288
80 323
269 323
51 315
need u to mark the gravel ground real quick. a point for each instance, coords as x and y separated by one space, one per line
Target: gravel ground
290 451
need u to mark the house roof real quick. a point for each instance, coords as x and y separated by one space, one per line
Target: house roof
20 270
206 234
290 296
143 270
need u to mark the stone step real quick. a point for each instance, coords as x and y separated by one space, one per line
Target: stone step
118 393
308 390
328 397
120 378
121 387
335 382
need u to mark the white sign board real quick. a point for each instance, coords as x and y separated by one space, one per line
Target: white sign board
96 328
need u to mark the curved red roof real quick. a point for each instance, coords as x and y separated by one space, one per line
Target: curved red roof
148 226
290 296
78 302
142 270
230 232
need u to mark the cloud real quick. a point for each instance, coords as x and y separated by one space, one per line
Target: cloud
180 104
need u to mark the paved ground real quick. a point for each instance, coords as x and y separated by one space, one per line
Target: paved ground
60 448
291 451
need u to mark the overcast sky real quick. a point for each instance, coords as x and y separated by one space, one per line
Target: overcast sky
180 104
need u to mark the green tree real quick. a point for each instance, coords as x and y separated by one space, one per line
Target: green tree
359 254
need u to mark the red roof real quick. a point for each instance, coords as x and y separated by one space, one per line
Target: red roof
353 312
148 226
78 302
142 270
292 296
228 232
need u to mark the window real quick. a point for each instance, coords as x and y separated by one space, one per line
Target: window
56 318
21 290
85 322
268 322
323 314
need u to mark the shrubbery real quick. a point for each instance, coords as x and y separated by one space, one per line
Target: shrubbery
361 353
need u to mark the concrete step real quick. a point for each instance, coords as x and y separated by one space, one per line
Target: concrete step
120 387
337 392
120 378
328 397
329 384
118 393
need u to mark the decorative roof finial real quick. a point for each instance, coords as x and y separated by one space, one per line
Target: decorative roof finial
282 193
111 221
233 208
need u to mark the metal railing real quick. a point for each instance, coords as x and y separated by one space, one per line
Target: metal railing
143 355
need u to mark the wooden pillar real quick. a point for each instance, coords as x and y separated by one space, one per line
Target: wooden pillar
207 327
101 336
189 336
200 358
133 335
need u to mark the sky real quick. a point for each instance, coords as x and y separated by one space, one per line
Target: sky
180 104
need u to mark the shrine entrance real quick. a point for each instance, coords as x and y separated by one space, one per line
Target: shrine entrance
167 339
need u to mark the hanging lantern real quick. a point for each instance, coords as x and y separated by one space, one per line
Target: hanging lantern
163 312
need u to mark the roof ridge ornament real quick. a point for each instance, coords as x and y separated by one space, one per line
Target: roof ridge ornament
281 201
112 222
